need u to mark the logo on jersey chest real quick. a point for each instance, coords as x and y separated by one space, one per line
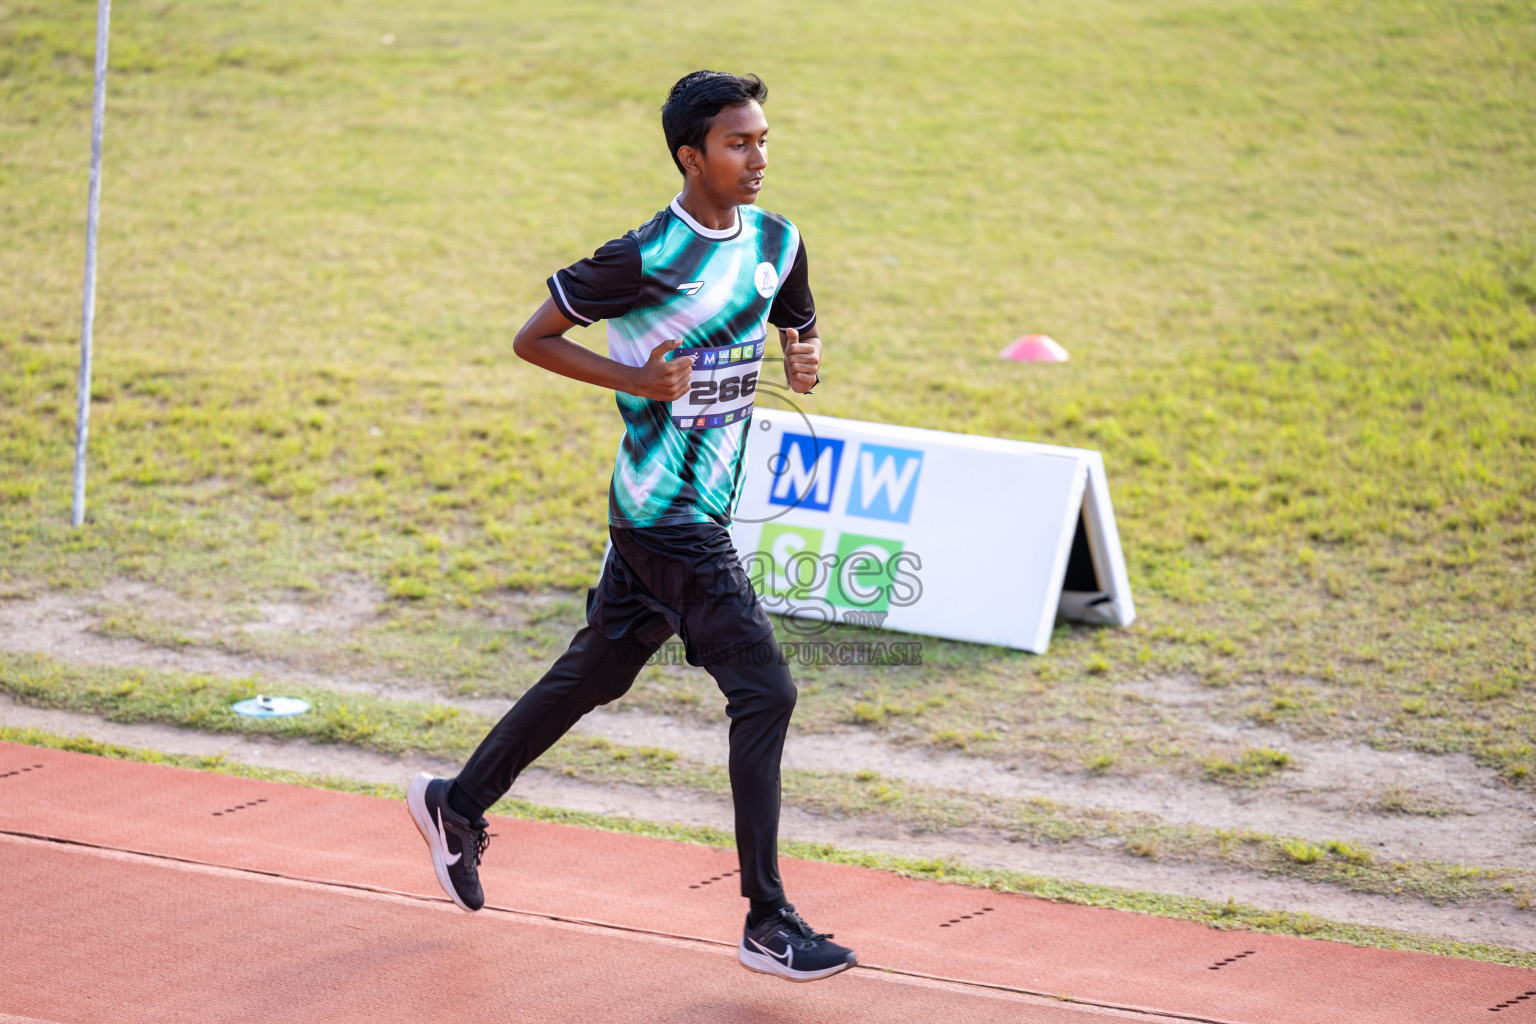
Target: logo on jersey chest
690 287
766 279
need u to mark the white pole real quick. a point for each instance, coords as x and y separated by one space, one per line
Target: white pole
88 303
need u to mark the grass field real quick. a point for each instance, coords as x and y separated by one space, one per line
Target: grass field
1291 247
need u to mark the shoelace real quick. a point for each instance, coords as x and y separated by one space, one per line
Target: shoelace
481 841
795 921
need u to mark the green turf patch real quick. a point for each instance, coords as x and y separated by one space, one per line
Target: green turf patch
1230 915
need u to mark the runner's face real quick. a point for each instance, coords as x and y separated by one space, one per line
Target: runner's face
735 154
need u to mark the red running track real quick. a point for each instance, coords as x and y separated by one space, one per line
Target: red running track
141 892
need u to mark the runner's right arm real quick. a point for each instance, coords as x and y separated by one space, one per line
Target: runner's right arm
542 342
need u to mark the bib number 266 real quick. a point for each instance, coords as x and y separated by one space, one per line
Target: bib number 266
722 387
725 389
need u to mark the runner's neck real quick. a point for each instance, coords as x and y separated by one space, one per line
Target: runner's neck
708 218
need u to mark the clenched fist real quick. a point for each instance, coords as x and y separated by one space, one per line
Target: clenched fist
802 360
661 378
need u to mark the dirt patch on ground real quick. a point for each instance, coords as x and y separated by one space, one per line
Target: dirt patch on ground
64 626
347 606
1331 797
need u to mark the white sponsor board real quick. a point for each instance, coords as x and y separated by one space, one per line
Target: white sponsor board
928 532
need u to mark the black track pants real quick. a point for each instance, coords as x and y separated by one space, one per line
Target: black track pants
643 598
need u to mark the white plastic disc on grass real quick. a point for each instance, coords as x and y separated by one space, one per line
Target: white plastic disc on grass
271 707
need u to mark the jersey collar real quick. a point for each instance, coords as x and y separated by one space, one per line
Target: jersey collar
699 229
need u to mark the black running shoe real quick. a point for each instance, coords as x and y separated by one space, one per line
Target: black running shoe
457 845
786 946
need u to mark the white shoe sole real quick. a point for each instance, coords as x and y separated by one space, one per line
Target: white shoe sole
764 964
416 801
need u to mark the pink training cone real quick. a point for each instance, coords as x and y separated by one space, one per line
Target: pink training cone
1035 348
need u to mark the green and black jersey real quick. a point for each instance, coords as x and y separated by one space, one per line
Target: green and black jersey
681 462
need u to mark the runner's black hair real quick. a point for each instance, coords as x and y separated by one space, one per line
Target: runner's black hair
696 99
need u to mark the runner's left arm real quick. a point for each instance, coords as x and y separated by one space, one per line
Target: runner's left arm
802 358
794 314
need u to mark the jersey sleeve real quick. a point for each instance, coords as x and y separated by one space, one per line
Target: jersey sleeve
602 286
793 307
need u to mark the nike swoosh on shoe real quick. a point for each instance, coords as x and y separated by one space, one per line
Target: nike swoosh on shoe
443 835
787 956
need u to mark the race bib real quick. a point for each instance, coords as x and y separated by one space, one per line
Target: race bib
722 387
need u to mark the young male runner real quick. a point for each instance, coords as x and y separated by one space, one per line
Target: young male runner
687 297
